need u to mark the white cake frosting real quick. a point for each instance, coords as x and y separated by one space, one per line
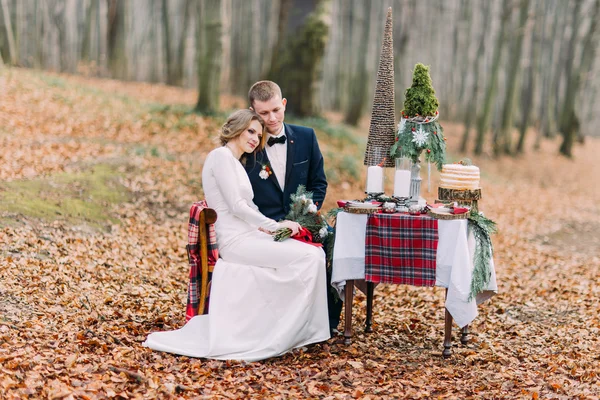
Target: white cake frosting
458 176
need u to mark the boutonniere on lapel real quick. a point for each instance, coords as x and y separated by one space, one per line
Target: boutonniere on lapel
265 171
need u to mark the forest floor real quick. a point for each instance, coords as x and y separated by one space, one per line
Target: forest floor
96 180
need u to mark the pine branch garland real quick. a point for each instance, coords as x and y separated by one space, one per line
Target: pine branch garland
482 228
434 146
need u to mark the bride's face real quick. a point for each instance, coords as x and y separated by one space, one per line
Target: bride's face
249 139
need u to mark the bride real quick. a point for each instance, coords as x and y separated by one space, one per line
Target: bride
267 297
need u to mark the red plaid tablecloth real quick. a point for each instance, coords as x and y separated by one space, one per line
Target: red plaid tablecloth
401 249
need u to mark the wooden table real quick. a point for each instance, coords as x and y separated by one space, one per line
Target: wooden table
348 301
453 271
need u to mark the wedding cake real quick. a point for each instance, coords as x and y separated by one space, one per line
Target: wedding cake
459 177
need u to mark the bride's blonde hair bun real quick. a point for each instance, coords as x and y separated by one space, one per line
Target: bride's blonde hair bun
237 122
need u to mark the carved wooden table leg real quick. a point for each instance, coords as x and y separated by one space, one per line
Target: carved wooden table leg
369 322
464 338
349 296
447 333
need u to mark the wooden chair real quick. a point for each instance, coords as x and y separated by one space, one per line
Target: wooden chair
202 256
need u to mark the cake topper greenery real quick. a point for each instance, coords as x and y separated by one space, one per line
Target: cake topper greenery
419 130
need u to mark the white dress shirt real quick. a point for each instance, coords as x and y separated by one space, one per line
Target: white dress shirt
278 157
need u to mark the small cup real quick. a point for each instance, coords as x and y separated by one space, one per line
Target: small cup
389 207
415 209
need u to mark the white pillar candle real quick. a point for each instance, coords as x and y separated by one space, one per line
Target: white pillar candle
402 183
375 179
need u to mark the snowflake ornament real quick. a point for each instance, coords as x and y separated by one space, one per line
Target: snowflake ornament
420 137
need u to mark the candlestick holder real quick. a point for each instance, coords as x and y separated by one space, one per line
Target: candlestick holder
415 184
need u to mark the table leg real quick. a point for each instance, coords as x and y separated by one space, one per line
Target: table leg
349 296
447 332
369 322
447 335
464 332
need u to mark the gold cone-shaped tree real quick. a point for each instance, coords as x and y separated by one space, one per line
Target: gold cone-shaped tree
383 125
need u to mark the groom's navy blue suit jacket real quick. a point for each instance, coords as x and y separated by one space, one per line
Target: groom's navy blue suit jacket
304 167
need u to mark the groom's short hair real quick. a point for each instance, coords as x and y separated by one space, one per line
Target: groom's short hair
263 91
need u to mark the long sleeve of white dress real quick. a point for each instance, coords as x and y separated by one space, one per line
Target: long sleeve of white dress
228 190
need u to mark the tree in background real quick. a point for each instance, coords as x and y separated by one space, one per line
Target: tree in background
209 53
530 86
503 141
490 94
358 81
156 41
297 65
569 122
117 54
8 30
471 110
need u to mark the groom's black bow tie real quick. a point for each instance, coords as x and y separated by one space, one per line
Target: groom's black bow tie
272 140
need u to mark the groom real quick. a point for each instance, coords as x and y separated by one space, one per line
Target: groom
293 155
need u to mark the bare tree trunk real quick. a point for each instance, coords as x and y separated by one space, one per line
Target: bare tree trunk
484 119
531 86
401 46
58 17
568 69
550 126
209 48
471 111
569 119
226 10
464 63
358 82
38 26
545 68
167 43
87 32
117 55
504 144
12 48
300 62
180 62
284 10
344 59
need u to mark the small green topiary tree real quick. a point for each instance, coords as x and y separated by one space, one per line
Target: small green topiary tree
420 98
419 130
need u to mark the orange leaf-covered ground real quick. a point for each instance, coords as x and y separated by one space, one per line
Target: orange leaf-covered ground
96 178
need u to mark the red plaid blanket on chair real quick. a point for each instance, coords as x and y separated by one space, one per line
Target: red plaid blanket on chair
401 249
193 250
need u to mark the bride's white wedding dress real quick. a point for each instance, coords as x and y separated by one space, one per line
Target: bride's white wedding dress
267 297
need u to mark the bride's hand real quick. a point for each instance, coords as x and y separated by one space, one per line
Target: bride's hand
293 226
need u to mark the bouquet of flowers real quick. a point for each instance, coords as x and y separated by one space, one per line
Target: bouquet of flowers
304 211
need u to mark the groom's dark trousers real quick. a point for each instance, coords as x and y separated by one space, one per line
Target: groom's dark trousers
304 167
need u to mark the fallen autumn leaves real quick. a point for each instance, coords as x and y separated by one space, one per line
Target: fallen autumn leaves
79 292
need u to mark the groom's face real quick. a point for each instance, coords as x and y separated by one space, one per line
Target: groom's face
272 112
